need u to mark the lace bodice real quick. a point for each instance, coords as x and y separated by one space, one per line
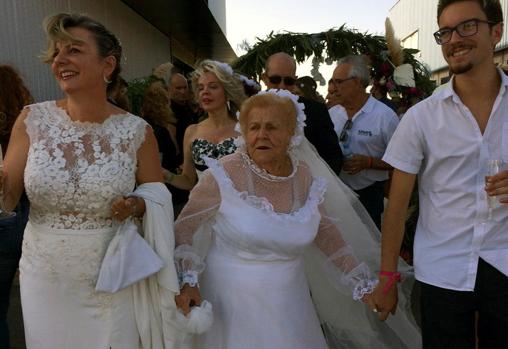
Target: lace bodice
201 147
257 216
75 170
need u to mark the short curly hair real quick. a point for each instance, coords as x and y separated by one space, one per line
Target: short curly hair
282 105
231 83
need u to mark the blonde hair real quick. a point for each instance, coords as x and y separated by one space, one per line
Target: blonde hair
107 44
233 86
155 106
281 105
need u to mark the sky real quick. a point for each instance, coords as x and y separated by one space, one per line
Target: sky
248 19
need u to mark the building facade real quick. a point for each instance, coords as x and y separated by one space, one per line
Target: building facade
147 39
415 21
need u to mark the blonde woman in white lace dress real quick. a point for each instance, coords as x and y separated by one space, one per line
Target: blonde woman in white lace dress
77 158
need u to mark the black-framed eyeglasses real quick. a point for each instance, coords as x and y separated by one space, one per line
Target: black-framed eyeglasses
464 29
337 82
344 133
276 79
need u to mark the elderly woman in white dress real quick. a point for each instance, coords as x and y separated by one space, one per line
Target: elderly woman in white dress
265 209
78 159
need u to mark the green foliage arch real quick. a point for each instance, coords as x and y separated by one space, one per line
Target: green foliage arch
328 47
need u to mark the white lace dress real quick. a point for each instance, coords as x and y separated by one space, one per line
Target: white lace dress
254 275
73 173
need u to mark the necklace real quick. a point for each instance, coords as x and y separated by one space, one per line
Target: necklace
264 174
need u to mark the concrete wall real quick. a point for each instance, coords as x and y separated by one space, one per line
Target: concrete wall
22 38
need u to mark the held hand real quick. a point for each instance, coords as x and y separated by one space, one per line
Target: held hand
356 163
167 175
189 297
383 302
125 207
498 185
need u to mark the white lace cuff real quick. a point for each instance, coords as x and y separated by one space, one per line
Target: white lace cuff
188 265
363 287
359 281
188 277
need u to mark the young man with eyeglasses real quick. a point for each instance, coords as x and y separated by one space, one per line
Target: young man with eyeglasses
460 252
280 73
364 126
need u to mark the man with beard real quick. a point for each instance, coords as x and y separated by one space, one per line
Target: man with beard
280 73
460 249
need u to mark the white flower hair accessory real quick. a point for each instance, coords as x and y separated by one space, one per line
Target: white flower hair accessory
225 67
249 82
300 116
297 138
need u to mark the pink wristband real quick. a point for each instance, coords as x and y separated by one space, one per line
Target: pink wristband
393 277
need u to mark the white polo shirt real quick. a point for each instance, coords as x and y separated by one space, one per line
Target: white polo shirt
373 126
440 140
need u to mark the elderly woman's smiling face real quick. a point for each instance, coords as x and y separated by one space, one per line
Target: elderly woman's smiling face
267 134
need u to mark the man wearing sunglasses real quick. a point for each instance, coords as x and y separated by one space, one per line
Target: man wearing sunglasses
365 126
280 73
460 250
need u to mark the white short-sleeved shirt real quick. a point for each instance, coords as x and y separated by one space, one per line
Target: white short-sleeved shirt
440 140
373 126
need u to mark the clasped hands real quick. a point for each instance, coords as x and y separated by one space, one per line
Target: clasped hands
383 300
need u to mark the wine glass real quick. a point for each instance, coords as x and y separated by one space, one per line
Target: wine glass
3 212
494 166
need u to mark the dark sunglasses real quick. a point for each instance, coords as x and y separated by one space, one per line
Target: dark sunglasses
464 29
344 134
276 79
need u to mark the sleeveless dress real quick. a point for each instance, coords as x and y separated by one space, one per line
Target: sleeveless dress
73 173
201 147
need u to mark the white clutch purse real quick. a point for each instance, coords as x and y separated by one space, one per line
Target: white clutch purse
128 260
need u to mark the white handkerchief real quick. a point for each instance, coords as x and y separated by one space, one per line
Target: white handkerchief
128 260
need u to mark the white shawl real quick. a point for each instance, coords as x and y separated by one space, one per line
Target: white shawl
154 304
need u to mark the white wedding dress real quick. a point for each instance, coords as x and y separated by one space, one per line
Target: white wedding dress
254 277
73 173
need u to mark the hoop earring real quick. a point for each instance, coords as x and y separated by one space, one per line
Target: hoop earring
106 80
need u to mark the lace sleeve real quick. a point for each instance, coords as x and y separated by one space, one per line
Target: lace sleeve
342 267
192 225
